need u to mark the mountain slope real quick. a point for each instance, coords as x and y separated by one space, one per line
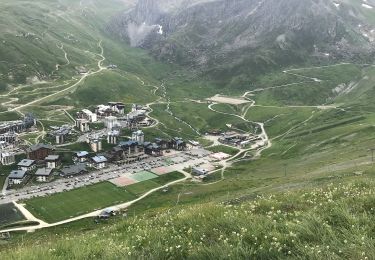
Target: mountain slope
233 38
334 221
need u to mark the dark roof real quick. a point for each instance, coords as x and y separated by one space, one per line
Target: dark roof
99 159
36 147
73 169
117 149
43 172
178 142
128 143
26 163
152 146
17 174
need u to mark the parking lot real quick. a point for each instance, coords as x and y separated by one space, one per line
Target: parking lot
120 175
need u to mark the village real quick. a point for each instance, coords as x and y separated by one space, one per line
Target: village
45 168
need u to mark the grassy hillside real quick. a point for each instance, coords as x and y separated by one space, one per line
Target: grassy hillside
44 44
332 221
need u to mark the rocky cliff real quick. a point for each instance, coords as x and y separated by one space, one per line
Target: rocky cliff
228 35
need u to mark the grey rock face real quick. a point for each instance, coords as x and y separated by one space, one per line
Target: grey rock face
207 32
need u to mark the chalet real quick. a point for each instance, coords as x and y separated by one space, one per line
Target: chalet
81 156
73 170
130 151
39 151
178 144
16 177
26 165
163 144
52 161
152 149
60 134
7 158
233 138
131 147
117 107
43 174
98 162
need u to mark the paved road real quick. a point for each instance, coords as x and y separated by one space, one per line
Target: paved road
4 190
112 172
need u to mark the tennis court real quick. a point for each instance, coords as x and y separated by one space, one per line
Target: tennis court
123 181
143 176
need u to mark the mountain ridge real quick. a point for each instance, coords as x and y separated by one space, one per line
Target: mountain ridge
208 34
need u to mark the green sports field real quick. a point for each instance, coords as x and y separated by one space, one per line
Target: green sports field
144 176
77 202
144 186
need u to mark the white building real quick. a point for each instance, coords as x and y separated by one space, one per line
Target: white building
16 177
111 122
96 145
7 158
83 125
81 156
112 137
99 162
43 174
26 165
90 116
52 161
138 136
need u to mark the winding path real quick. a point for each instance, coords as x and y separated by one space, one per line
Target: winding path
43 224
100 69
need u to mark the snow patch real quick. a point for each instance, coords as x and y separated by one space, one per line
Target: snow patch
367 6
160 30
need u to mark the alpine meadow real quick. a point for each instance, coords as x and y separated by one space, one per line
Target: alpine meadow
187 129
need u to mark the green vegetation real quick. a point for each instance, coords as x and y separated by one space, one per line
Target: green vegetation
333 221
9 214
224 149
169 177
144 186
64 205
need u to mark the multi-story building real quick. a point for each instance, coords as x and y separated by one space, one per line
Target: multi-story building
83 125
39 152
138 136
16 177
7 158
112 136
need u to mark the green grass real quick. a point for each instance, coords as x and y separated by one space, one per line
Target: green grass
61 206
142 187
223 149
331 221
169 177
9 214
